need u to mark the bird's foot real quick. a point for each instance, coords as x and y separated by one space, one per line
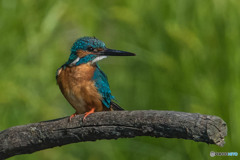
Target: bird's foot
89 112
73 115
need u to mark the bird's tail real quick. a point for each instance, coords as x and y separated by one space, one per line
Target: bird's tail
116 107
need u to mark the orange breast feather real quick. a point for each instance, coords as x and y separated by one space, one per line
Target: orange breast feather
78 88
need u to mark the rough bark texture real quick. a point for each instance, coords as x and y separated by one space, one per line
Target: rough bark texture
111 125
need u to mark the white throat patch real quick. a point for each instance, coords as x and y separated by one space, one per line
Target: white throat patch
75 61
98 59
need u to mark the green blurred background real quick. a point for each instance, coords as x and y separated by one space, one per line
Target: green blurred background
188 59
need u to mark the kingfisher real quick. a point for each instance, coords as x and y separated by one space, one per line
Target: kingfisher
82 82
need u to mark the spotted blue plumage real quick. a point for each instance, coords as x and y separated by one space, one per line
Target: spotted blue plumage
101 82
85 42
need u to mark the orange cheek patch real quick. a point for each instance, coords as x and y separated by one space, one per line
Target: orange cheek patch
100 49
82 53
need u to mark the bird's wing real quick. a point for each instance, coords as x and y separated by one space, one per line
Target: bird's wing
101 82
116 107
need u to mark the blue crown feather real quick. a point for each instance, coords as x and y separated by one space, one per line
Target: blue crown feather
84 42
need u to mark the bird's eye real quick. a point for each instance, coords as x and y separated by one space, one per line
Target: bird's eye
90 49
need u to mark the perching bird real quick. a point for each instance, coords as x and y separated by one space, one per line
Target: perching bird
81 80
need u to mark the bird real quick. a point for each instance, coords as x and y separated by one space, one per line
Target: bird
82 82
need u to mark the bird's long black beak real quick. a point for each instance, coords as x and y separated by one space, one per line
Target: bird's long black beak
112 52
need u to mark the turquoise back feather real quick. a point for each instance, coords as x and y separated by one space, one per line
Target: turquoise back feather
101 82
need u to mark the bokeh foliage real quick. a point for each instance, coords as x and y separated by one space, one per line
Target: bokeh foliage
188 59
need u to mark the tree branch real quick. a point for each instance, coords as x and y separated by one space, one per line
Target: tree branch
111 125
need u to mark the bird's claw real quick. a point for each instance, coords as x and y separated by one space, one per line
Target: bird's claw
73 115
87 113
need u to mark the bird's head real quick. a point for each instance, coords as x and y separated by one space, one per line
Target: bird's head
90 49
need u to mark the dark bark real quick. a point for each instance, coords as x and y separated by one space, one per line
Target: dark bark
111 125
